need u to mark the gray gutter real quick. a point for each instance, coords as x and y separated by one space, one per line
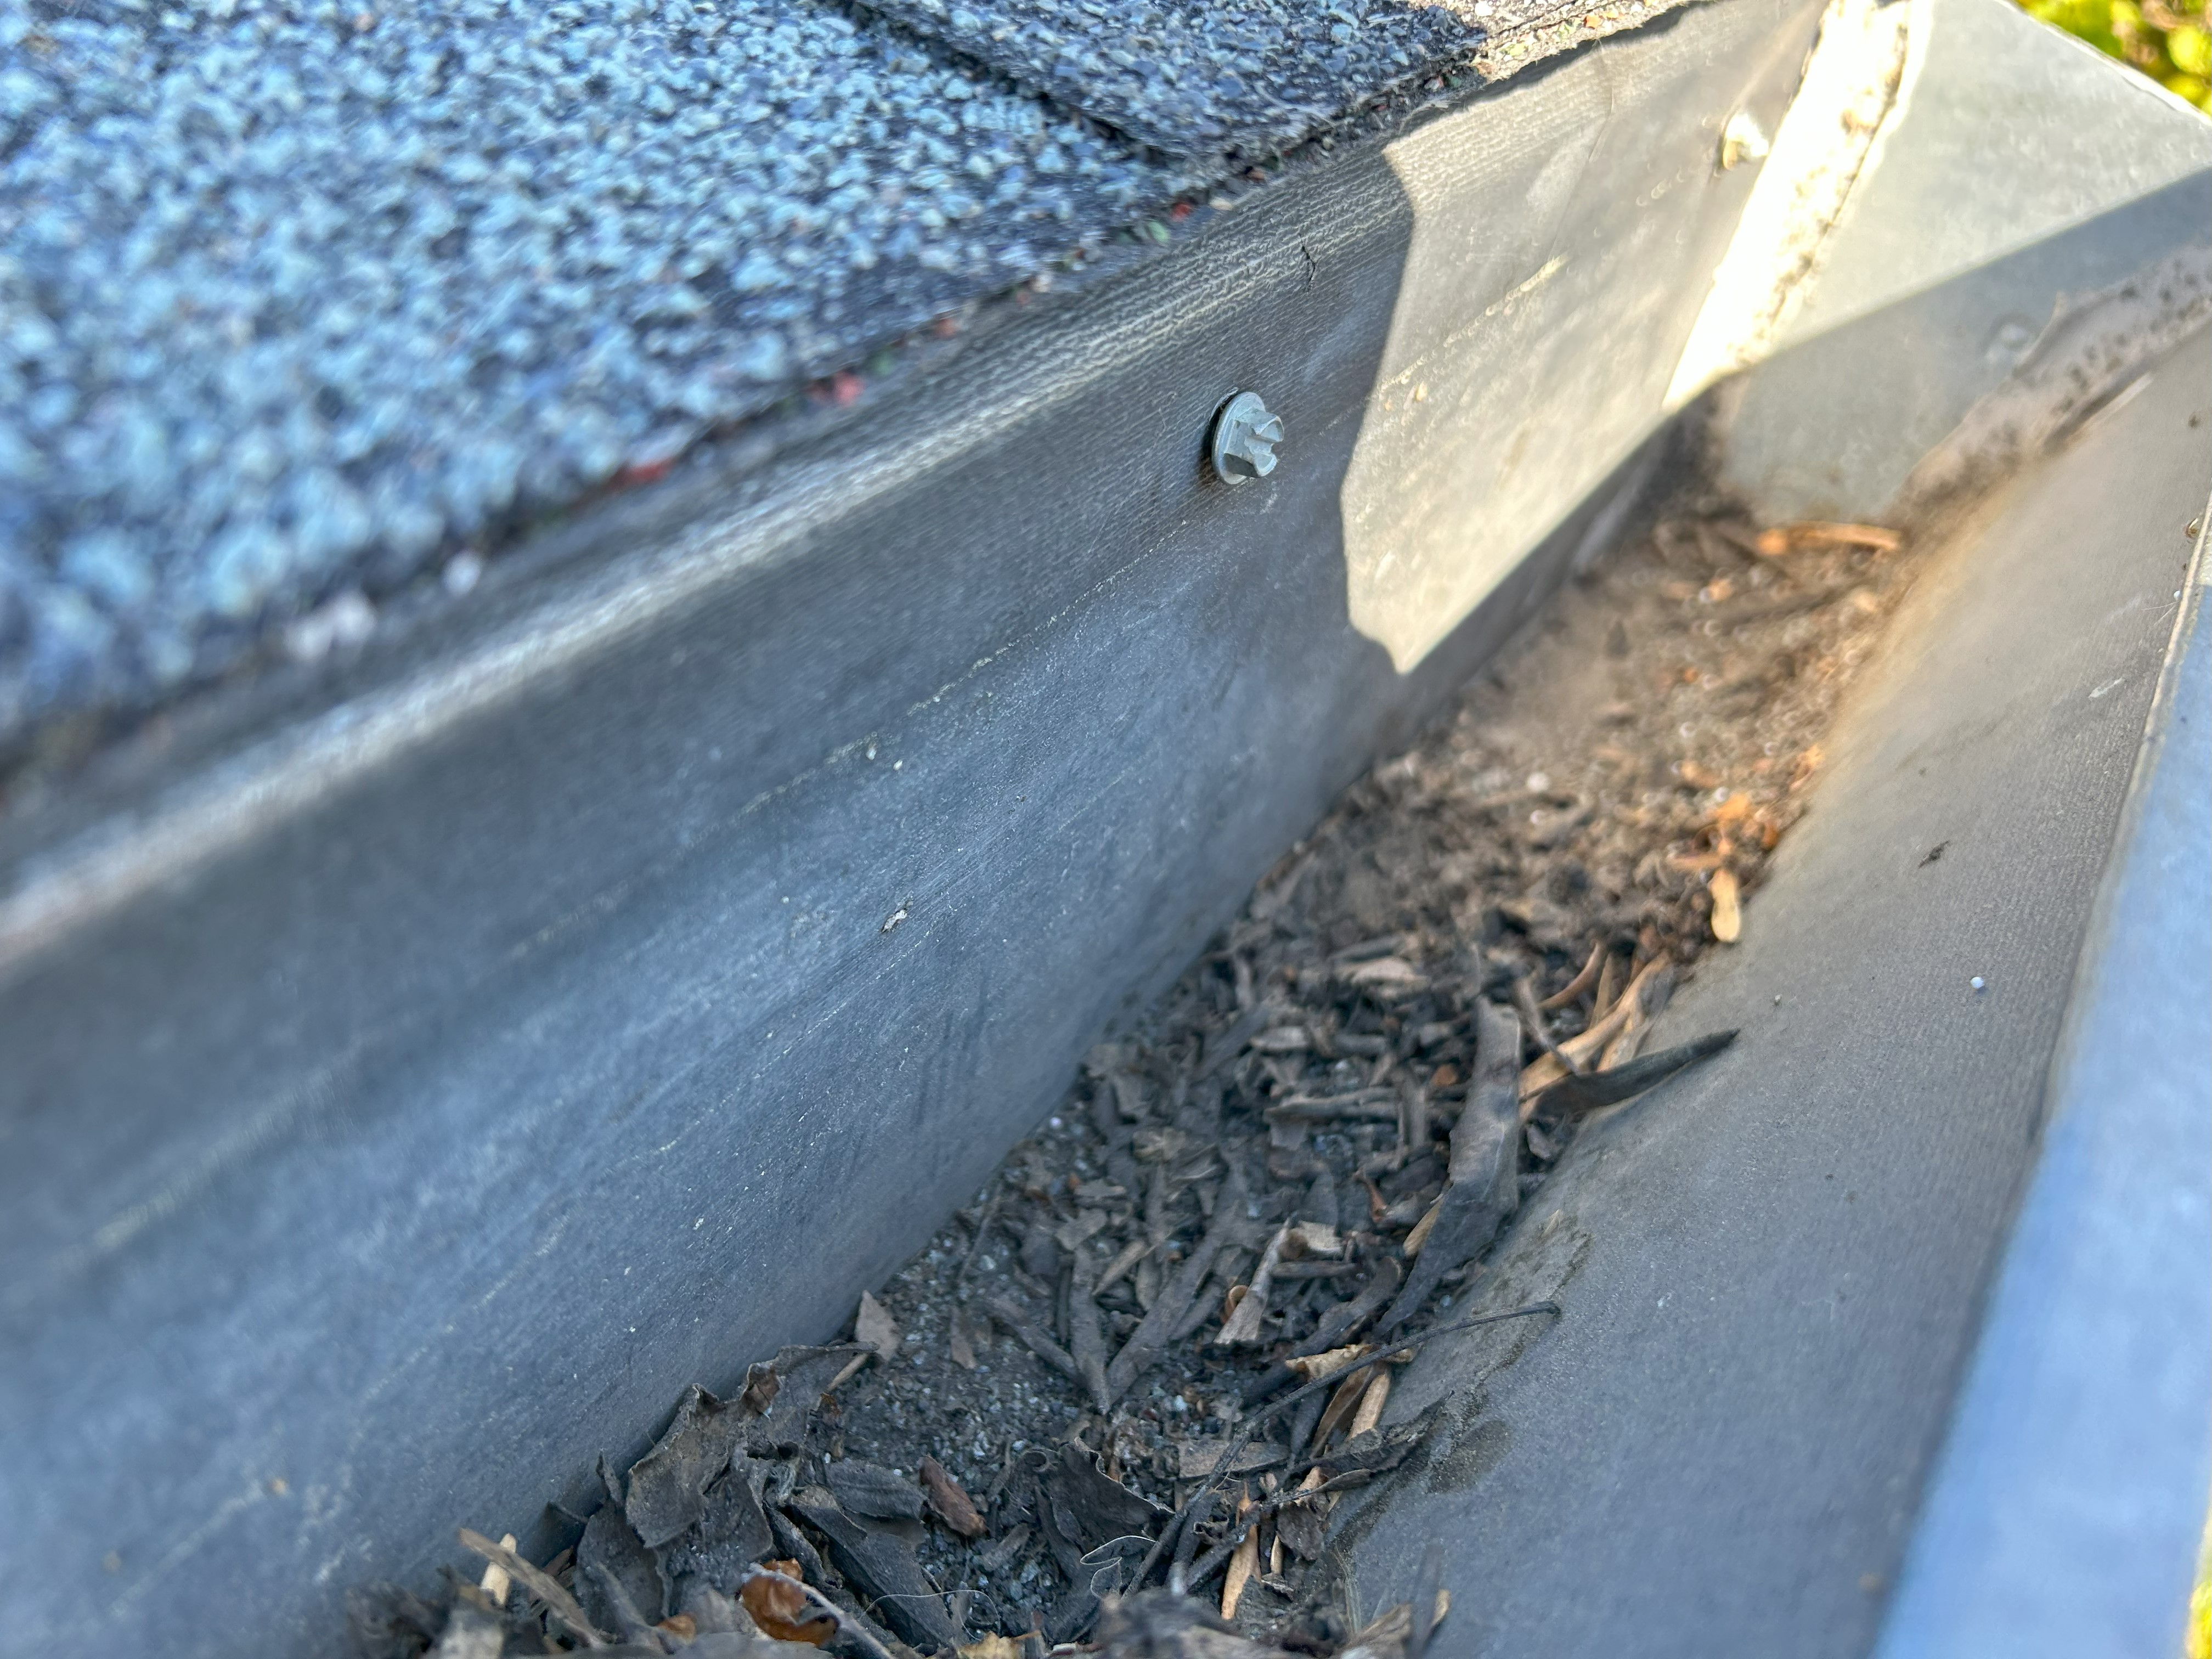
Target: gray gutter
2065 1516
416 1080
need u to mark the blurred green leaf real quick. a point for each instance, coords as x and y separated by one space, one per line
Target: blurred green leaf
2191 49
2159 37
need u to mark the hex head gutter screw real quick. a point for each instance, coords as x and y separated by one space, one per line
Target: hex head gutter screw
1244 439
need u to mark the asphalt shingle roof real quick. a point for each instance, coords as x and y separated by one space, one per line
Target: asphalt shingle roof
298 297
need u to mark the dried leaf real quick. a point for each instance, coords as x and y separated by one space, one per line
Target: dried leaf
1600 1089
1241 1566
1304 1526
1245 1316
618 1580
1486 1149
1197 1460
1540 1074
540 1583
1341 1404
782 1610
762 1386
1383 971
876 1558
1586 1046
1084 1227
1371 1403
1311 1366
960 1345
1580 983
873 1326
1420 1236
870 1490
667 1486
497 1580
992 1647
729 1536
1728 907
952 1504
1376 1451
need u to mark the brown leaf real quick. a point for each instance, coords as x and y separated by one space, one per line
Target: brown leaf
959 1345
1728 907
1241 1566
681 1625
1393 973
1370 1404
1311 1366
1341 1404
1420 1236
1197 1459
782 1610
761 1387
872 1325
953 1506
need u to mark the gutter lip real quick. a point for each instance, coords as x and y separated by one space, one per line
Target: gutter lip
2002 1530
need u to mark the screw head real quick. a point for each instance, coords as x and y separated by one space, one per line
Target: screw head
1244 437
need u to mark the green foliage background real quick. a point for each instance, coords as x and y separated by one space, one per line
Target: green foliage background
2166 40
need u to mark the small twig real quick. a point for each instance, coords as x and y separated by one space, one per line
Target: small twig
1180 1294
1532 1017
1033 1339
1784 538
1215 1559
1579 1050
1327 1380
1185 1537
541 1584
1127 1257
1580 983
1292 1271
1370 1105
1086 1343
1338 1325
843 1621
1341 1405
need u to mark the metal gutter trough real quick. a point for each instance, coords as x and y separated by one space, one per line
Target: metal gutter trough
420 1064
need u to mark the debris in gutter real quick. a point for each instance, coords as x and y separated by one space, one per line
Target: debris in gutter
1159 1345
